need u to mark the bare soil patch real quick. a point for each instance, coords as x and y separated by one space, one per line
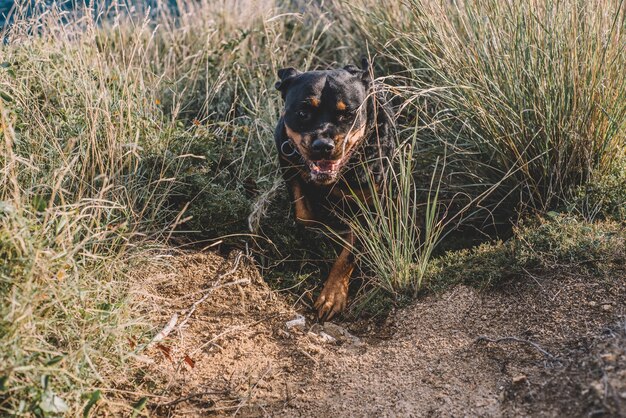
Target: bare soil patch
553 345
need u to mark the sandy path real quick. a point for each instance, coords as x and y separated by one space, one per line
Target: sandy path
433 364
425 360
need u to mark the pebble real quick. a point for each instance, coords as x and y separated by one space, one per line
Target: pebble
609 357
333 333
519 379
598 388
299 322
327 338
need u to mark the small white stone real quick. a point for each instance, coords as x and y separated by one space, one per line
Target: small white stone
519 379
327 338
598 388
299 322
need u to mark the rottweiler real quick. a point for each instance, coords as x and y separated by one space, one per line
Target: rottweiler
334 140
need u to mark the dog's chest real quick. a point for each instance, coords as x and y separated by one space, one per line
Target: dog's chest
339 200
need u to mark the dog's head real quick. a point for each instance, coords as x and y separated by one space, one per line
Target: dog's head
325 116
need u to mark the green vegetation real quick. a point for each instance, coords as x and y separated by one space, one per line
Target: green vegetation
396 235
557 244
515 109
121 129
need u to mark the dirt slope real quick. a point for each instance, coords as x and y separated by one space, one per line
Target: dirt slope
564 351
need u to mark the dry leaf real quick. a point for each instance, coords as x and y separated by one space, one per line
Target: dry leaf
167 352
190 362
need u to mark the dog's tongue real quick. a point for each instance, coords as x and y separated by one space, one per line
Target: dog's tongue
324 166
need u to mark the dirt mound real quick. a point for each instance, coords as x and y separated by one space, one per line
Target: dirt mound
546 346
554 350
222 350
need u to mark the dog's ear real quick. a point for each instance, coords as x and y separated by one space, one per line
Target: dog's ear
352 69
366 66
286 76
364 71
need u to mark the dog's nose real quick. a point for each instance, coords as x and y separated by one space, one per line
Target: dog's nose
323 145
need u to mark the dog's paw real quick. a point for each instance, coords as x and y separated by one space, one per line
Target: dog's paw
332 300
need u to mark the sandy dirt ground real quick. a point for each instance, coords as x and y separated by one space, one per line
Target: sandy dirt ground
538 346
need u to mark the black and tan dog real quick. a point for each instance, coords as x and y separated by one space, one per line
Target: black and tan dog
334 141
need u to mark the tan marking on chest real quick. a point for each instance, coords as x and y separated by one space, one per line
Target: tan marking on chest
302 207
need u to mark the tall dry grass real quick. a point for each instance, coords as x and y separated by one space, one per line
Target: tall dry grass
528 95
101 114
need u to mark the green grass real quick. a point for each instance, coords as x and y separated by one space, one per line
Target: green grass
557 244
122 132
396 233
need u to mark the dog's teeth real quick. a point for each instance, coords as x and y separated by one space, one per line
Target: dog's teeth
324 166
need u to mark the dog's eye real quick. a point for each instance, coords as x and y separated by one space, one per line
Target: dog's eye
303 114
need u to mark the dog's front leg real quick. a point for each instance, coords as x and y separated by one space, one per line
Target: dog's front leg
302 207
334 296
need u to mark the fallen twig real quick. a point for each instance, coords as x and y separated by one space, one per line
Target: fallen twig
234 329
157 338
174 319
517 340
251 390
216 286
307 355
165 331
206 295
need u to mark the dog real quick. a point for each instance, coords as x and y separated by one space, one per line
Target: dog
334 141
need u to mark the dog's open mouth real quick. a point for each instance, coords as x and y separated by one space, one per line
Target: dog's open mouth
326 171
328 167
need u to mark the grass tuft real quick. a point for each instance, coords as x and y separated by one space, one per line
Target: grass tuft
396 235
527 96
